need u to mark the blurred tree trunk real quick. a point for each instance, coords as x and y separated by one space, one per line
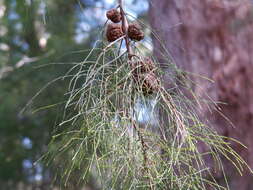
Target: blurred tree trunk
214 39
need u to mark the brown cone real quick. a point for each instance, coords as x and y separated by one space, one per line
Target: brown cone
147 82
144 75
113 32
150 83
141 66
113 15
135 32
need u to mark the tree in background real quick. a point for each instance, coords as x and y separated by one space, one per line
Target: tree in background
214 39
37 44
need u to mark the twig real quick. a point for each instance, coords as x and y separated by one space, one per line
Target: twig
130 55
125 28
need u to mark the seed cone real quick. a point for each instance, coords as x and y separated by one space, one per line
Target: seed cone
113 15
148 83
141 66
113 32
144 75
135 32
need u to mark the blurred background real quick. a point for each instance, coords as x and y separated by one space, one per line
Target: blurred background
41 39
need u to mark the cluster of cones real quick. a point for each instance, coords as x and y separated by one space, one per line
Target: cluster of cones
114 30
143 70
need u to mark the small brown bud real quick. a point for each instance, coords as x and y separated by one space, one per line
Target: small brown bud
113 32
134 32
113 15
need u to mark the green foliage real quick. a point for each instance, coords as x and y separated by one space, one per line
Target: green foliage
25 67
100 141
103 138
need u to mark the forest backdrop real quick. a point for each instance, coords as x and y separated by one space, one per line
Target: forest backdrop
39 39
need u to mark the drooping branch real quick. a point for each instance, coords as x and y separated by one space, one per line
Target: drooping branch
130 55
125 29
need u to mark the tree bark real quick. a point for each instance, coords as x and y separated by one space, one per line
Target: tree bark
214 39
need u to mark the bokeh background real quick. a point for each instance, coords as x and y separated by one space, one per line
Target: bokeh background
41 39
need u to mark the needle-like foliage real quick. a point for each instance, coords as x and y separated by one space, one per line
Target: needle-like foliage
126 134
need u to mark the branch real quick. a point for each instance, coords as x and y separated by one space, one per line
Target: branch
125 28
